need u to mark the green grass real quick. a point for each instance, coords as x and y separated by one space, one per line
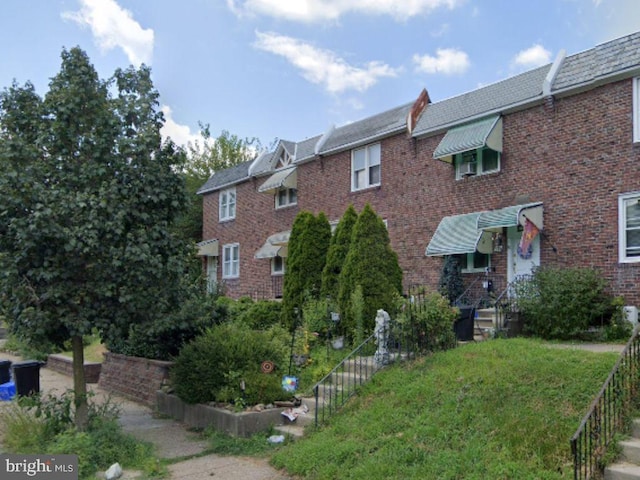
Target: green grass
503 409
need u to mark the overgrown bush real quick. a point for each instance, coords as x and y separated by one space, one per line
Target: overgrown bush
261 315
562 303
428 321
163 338
39 424
212 367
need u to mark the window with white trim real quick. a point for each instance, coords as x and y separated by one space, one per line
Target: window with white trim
277 265
286 197
474 262
231 260
477 162
227 210
636 109
365 167
629 227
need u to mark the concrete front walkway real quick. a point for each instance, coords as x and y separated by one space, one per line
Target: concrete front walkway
172 439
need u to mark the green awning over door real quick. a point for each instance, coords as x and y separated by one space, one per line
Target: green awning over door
455 235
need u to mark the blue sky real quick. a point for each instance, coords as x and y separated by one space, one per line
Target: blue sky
290 69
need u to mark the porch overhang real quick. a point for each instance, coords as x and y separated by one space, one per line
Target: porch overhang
287 178
511 216
471 232
483 133
208 248
457 235
275 246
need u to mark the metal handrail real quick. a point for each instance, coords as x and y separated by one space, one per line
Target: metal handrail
608 414
340 384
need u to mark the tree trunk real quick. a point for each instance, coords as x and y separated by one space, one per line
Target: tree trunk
79 384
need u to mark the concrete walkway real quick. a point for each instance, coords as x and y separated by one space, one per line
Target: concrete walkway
172 439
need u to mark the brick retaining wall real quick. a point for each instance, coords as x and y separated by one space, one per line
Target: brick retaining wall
64 365
136 378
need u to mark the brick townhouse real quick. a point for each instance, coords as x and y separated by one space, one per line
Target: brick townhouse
551 155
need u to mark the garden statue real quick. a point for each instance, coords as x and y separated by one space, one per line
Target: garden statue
382 337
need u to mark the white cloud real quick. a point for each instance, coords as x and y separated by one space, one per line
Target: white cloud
112 26
180 134
532 57
323 67
329 10
449 61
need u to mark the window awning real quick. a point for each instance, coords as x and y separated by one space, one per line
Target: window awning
483 133
511 216
275 246
456 235
208 248
471 232
287 178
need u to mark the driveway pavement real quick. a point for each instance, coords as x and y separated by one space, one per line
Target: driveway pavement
172 439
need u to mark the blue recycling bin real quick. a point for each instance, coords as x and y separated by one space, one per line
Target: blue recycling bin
5 371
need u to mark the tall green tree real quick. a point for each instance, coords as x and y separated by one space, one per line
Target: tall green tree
205 157
373 265
307 254
88 193
337 254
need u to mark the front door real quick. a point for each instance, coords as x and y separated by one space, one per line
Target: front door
519 265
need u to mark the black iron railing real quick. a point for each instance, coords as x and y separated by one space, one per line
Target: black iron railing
402 342
609 413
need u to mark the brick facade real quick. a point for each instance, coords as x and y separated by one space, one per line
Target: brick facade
573 153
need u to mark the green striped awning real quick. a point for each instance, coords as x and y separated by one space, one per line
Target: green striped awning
486 132
455 235
510 216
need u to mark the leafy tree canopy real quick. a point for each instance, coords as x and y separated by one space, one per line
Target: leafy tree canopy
88 193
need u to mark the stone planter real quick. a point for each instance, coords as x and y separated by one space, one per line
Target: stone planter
238 424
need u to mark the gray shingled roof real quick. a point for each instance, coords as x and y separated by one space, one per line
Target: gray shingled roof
601 61
611 58
487 99
368 129
226 177
306 148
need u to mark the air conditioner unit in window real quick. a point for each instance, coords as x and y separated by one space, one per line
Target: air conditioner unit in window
467 169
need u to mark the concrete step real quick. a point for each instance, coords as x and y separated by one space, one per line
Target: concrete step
630 450
294 431
622 471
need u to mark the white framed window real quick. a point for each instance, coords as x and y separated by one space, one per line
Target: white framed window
365 167
477 162
231 260
227 203
474 262
629 227
286 197
636 109
277 265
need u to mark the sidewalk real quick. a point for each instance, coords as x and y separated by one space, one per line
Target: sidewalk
172 439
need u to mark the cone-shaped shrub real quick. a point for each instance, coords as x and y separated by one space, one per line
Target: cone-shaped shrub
337 254
372 264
